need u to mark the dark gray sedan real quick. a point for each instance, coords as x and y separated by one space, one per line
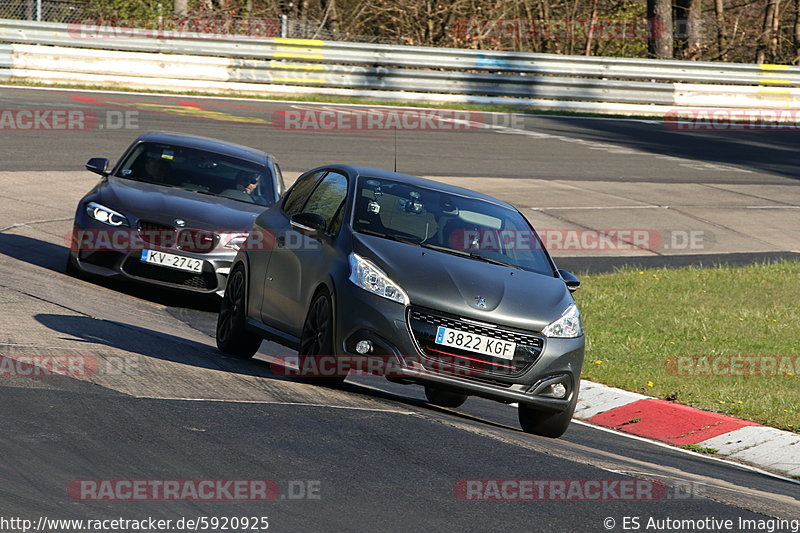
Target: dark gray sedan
173 211
361 268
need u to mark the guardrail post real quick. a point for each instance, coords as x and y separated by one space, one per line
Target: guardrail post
38 10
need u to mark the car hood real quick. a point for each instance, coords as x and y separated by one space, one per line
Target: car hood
164 204
452 284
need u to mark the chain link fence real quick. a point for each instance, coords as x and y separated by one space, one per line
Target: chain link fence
79 13
42 10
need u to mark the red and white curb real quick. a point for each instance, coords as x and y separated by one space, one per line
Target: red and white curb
741 440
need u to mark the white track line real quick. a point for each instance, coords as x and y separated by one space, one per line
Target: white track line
267 402
685 451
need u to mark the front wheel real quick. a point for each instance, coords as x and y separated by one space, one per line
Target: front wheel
316 343
233 338
544 423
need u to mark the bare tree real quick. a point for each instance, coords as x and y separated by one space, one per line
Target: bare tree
688 18
766 37
331 15
180 8
796 58
659 15
589 38
722 37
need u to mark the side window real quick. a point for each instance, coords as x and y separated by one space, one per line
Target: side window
297 196
327 199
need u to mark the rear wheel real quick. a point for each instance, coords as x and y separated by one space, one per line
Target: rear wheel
233 338
444 398
316 342
546 423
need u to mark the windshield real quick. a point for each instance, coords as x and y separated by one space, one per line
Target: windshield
199 171
451 223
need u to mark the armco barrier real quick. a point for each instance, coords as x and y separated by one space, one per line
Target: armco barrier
74 54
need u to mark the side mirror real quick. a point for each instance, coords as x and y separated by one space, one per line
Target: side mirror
572 282
310 224
98 165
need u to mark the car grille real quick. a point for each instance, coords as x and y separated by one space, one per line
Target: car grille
157 234
424 322
197 240
206 281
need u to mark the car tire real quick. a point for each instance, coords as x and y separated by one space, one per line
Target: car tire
444 398
316 338
546 423
233 338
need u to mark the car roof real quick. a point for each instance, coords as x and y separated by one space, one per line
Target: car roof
207 144
372 172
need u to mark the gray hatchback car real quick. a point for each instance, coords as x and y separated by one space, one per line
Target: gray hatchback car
422 282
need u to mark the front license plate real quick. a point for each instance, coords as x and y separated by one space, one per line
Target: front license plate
475 343
178 262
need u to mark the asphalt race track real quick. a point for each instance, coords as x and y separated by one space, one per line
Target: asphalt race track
163 404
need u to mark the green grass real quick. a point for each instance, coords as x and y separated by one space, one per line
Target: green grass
639 322
699 449
314 98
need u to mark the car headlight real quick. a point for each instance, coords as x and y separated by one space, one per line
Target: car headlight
105 215
566 327
371 278
233 241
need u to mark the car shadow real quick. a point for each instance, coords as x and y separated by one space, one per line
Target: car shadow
167 347
149 343
54 257
764 151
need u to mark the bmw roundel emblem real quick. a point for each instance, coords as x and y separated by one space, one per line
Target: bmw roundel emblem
180 222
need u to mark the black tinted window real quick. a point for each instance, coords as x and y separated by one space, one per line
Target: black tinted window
328 197
448 222
199 171
298 195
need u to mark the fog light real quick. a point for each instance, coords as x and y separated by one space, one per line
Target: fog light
556 390
364 347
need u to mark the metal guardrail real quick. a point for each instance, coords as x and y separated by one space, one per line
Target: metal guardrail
622 85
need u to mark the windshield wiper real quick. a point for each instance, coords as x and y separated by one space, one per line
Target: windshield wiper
387 236
438 248
140 180
494 261
471 255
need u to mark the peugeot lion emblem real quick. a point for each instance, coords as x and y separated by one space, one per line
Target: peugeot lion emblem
480 301
180 222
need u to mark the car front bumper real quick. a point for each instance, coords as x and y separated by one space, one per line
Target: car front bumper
364 316
114 258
